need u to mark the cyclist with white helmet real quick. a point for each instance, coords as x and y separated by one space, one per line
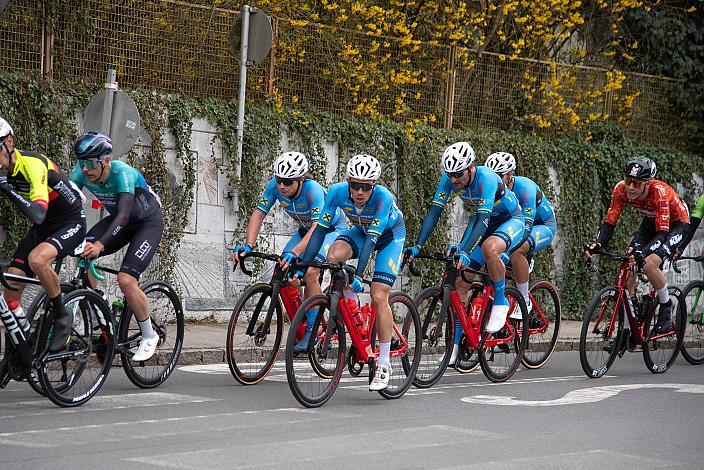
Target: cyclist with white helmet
496 226
538 215
377 225
41 192
302 199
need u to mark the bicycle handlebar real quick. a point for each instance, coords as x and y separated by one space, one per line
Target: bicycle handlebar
254 254
442 257
349 270
698 259
3 281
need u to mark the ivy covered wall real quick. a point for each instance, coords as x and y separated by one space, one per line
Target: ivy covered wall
577 173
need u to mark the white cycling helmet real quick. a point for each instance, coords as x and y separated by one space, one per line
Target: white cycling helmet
364 167
501 162
457 157
5 128
291 165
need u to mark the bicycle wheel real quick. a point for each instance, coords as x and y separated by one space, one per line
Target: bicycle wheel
693 303
405 337
308 386
435 353
251 353
72 376
501 361
166 315
544 325
597 332
660 351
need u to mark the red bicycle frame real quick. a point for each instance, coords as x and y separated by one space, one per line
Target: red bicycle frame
362 343
471 322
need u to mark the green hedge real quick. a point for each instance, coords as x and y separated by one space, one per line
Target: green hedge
587 169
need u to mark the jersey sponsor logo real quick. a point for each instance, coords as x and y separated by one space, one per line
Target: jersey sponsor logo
529 211
264 201
376 223
116 231
315 211
442 195
676 239
283 203
302 205
143 250
71 232
327 217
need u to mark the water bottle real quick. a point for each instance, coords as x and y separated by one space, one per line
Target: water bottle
117 307
19 314
352 302
366 318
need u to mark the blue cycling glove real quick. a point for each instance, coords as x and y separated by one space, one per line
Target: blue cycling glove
357 285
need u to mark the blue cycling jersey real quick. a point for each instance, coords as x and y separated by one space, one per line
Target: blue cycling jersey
122 179
380 215
305 209
535 205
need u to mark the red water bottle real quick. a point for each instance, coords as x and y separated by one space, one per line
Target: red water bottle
476 307
366 317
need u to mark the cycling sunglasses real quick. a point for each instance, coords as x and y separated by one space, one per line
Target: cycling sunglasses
634 182
455 174
355 186
89 164
285 181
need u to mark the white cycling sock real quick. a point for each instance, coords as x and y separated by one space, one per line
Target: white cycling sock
523 289
663 295
384 353
146 328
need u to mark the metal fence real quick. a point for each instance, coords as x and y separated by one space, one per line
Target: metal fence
183 46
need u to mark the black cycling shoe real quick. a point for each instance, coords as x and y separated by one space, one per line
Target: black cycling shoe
63 321
625 336
664 323
3 371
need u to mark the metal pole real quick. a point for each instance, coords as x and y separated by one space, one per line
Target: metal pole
244 45
111 87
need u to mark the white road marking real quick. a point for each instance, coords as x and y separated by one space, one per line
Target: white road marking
585 395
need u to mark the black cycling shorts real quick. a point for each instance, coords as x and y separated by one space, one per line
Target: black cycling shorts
646 233
66 236
143 238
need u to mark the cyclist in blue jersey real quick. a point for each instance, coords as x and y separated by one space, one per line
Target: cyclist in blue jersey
539 217
377 225
302 199
135 218
496 226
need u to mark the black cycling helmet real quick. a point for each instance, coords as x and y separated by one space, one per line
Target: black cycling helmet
640 168
92 145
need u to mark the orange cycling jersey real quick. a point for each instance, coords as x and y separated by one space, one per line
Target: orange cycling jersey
39 179
660 205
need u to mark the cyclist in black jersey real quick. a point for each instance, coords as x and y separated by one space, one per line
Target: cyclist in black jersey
43 194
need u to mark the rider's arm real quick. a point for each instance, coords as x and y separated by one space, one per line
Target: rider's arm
332 201
528 200
487 193
381 220
125 201
316 201
607 228
35 208
254 226
442 196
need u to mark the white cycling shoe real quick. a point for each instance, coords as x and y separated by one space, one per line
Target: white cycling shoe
382 374
497 320
516 314
147 348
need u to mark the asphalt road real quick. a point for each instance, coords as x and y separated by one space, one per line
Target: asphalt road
554 417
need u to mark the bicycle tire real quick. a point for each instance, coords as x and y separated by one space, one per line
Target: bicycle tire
693 341
435 355
308 386
501 370
542 345
659 359
251 358
91 321
407 321
166 315
595 334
